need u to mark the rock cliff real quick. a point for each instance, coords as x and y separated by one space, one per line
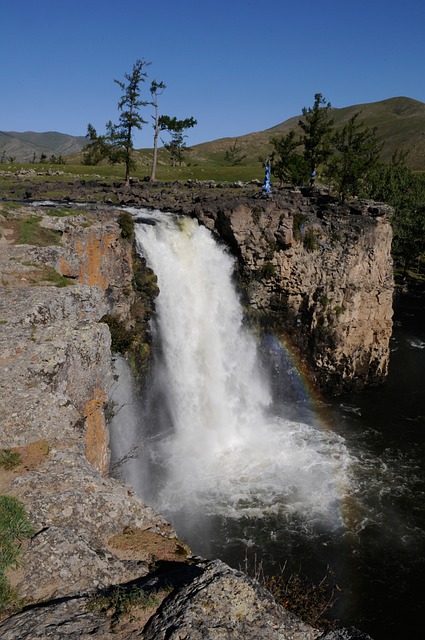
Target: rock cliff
321 273
316 271
100 563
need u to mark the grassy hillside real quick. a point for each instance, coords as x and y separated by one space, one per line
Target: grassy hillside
400 125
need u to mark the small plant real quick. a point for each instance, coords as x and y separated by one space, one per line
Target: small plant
310 241
323 300
110 410
310 601
56 278
9 459
268 270
339 310
121 337
256 212
15 528
119 601
298 225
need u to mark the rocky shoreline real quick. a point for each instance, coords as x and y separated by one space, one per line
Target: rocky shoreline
95 544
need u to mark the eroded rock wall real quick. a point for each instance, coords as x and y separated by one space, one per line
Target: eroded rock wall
55 377
322 274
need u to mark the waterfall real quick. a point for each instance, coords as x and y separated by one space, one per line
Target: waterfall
210 436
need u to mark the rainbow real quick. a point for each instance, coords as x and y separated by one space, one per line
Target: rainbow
312 408
302 389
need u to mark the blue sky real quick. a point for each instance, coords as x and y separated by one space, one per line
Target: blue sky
237 66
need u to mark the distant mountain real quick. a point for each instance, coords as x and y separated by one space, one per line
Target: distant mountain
400 124
24 147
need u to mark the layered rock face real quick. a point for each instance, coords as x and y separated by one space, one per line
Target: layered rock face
55 377
320 273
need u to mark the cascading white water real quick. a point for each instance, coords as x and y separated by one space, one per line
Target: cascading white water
222 447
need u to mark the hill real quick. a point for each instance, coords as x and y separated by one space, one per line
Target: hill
26 146
400 124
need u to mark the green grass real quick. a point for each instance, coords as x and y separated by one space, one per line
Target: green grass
15 528
57 279
164 173
30 232
119 601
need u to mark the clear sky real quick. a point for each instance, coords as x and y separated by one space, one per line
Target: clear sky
237 66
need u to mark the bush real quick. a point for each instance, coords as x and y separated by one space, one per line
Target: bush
121 337
126 224
309 601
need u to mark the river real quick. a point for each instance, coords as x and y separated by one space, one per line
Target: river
252 469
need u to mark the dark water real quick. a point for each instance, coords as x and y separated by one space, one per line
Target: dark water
378 557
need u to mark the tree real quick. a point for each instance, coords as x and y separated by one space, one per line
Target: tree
397 185
234 155
357 152
121 135
317 127
287 164
157 88
176 146
98 148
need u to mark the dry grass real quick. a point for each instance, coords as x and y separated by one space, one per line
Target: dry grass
149 546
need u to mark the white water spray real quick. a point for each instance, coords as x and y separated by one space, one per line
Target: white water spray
223 449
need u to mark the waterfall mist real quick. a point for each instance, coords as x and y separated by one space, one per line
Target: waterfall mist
210 438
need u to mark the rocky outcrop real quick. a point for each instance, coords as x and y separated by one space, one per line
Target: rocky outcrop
320 273
55 378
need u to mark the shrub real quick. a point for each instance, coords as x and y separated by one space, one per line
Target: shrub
126 224
310 241
268 270
119 601
121 337
307 600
